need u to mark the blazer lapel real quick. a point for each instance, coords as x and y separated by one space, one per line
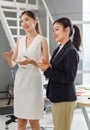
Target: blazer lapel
54 53
61 52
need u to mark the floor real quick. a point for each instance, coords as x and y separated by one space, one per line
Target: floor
46 123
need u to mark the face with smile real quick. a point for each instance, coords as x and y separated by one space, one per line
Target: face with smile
27 23
60 33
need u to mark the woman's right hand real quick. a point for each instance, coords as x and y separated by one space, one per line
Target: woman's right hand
27 61
44 64
8 55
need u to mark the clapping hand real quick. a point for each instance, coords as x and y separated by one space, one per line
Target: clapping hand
8 55
44 64
27 61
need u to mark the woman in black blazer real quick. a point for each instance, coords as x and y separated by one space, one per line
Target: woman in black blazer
61 72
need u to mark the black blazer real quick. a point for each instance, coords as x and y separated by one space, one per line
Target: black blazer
61 76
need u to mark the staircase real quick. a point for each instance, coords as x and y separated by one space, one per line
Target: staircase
10 11
9 16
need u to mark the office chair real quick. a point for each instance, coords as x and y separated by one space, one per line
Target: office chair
6 97
12 117
6 105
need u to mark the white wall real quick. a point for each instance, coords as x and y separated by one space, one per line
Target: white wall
5 73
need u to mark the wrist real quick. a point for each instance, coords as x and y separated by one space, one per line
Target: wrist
11 63
50 65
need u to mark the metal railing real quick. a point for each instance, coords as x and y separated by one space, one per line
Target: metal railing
49 16
7 30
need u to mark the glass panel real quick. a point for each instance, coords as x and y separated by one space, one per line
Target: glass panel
86 57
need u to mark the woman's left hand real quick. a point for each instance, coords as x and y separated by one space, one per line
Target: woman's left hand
42 66
27 61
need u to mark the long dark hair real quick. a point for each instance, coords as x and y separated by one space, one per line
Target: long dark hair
74 30
34 16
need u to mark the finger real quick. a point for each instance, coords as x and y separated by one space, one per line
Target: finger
11 51
44 60
5 53
26 57
20 62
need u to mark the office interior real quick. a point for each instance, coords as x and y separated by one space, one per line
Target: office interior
48 11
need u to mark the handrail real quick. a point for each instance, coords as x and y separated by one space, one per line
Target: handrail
49 16
37 3
18 14
7 30
47 10
17 7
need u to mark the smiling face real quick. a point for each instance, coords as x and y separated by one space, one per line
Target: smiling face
60 33
27 23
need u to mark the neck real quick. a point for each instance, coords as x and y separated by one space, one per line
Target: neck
31 35
63 42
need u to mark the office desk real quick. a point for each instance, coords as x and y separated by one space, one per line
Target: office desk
83 102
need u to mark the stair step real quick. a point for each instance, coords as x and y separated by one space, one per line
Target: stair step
14 27
11 4
11 18
9 10
15 36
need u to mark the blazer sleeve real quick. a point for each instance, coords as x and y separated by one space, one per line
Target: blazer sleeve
70 69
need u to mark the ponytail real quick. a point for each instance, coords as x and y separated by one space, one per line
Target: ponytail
38 27
76 37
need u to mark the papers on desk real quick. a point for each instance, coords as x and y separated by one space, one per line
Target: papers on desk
83 91
83 95
80 93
